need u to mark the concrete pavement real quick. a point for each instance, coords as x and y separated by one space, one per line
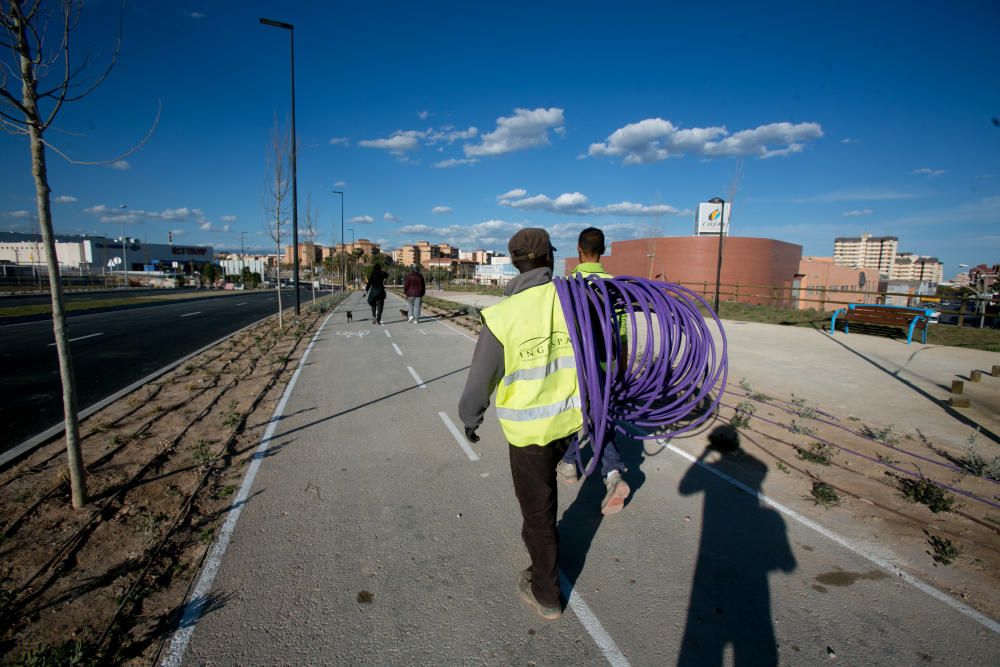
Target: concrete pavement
371 534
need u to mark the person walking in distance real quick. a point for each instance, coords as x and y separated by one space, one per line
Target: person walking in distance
589 248
414 289
375 289
525 354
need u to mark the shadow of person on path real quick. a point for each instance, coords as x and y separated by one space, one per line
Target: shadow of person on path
582 519
741 542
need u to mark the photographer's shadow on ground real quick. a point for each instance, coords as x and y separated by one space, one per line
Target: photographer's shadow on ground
742 541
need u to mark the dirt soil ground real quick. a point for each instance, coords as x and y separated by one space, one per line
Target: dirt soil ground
108 583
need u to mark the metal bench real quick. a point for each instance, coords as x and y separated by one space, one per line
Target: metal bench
901 317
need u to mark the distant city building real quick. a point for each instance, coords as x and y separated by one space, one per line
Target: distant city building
310 254
366 247
985 276
98 254
917 267
961 279
499 273
866 252
825 285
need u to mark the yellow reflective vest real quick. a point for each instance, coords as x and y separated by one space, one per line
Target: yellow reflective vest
538 399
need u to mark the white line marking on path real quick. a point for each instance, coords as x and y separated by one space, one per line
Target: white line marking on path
416 377
422 332
197 601
73 340
242 304
459 438
398 351
190 314
857 548
611 652
387 334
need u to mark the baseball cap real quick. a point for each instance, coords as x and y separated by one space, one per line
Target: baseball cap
529 243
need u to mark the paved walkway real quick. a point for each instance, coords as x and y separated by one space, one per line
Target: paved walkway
371 533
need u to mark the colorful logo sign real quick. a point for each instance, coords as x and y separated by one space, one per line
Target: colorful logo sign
714 215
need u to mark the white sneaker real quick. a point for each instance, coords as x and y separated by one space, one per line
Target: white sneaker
566 472
410 319
617 492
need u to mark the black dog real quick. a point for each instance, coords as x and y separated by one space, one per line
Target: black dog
350 318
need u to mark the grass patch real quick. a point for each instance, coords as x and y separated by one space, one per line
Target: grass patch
925 492
943 550
801 429
886 436
753 395
824 494
744 411
801 409
818 452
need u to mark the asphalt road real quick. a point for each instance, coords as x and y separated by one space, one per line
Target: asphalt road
373 534
44 298
110 350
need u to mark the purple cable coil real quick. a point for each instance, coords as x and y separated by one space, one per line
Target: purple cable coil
650 391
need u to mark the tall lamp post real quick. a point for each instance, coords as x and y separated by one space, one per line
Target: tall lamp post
295 192
242 254
123 207
981 295
343 272
722 226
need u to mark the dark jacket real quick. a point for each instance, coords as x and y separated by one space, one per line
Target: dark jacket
487 367
376 286
413 284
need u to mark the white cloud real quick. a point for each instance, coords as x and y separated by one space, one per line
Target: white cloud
857 213
516 193
415 229
194 15
338 140
100 209
656 139
16 214
389 217
449 134
441 210
65 199
576 203
205 226
454 162
488 234
339 184
228 218
527 128
178 232
398 143
422 115
848 140
361 220
121 165
927 171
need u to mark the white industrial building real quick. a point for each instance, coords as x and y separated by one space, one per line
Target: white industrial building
99 254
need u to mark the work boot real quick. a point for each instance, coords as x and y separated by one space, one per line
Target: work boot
566 472
617 492
524 589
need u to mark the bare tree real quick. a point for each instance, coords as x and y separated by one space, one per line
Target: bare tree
311 218
275 206
29 58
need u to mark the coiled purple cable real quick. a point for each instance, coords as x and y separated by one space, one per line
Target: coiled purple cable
671 385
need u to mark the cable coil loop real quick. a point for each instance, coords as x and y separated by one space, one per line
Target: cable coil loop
646 361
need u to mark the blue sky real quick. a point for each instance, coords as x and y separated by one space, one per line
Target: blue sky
462 121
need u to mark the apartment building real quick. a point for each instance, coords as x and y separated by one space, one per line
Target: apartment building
366 247
310 254
866 252
917 267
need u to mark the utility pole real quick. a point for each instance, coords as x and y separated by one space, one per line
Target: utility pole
124 250
343 243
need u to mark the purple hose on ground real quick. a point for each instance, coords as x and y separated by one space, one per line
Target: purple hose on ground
653 390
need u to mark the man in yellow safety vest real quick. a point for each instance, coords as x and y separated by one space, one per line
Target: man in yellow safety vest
589 248
524 352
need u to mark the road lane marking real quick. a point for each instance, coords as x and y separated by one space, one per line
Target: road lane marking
73 340
398 351
242 304
387 334
604 642
190 314
459 438
850 545
197 602
420 383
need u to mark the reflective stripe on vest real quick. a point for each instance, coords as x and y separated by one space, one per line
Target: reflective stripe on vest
538 400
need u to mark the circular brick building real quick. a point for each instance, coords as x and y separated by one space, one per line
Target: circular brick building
759 271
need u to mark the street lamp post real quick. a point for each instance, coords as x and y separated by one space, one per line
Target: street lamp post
722 226
242 254
981 295
343 271
124 250
295 193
